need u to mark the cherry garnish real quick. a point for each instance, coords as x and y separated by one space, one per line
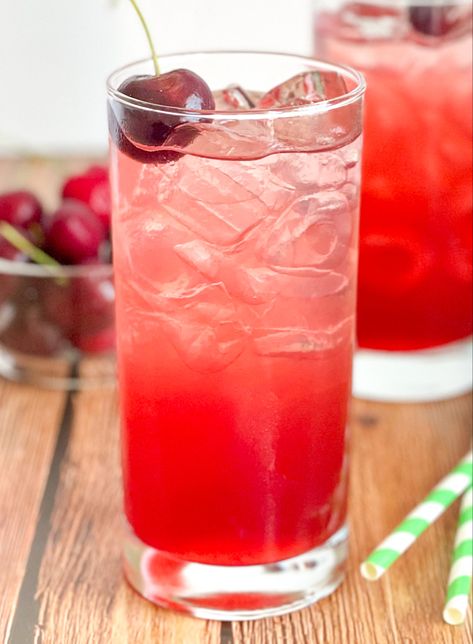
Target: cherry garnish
74 233
138 130
433 20
180 88
20 209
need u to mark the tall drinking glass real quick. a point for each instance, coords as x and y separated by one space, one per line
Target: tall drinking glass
235 253
415 282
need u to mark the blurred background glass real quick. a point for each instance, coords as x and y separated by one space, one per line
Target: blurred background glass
415 277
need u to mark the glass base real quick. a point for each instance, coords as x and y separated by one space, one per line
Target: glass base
229 593
414 376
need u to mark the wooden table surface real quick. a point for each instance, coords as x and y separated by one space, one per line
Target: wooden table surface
60 522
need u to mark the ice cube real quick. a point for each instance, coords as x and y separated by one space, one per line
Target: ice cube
257 284
332 171
206 348
351 156
301 343
232 139
305 88
305 171
251 285
201 323
313 232
352 193
305 129
310 284
217 182
158 180
215 204
234 97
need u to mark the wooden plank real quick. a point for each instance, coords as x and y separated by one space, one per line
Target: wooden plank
29 423
82 594
399 452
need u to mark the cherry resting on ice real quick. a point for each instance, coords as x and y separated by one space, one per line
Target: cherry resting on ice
180 88
133 129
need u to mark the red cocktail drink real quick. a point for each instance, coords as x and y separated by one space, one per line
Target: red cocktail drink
235 246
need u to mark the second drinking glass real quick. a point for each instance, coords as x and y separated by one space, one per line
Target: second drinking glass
415 286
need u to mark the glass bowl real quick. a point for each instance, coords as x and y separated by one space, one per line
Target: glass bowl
57 324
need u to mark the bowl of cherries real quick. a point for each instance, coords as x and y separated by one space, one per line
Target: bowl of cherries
56 286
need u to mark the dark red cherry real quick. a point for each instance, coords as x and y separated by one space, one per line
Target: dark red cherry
141 154
83 306
28 331
134 130
94 298
99 342
58 305
434 20
92 188
20 209
180 88
74 233
97 171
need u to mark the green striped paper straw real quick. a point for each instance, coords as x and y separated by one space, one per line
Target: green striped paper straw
459 581
434 504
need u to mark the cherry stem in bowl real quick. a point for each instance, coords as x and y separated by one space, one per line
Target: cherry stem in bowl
16 239
148 36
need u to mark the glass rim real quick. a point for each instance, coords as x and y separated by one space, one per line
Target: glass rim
26 269
318 107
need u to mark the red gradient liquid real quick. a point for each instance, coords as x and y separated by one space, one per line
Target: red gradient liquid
240 469
234 376
415 275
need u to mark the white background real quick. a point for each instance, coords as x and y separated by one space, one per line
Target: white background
56 54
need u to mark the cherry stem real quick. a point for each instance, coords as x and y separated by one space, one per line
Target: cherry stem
16 239
148 36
